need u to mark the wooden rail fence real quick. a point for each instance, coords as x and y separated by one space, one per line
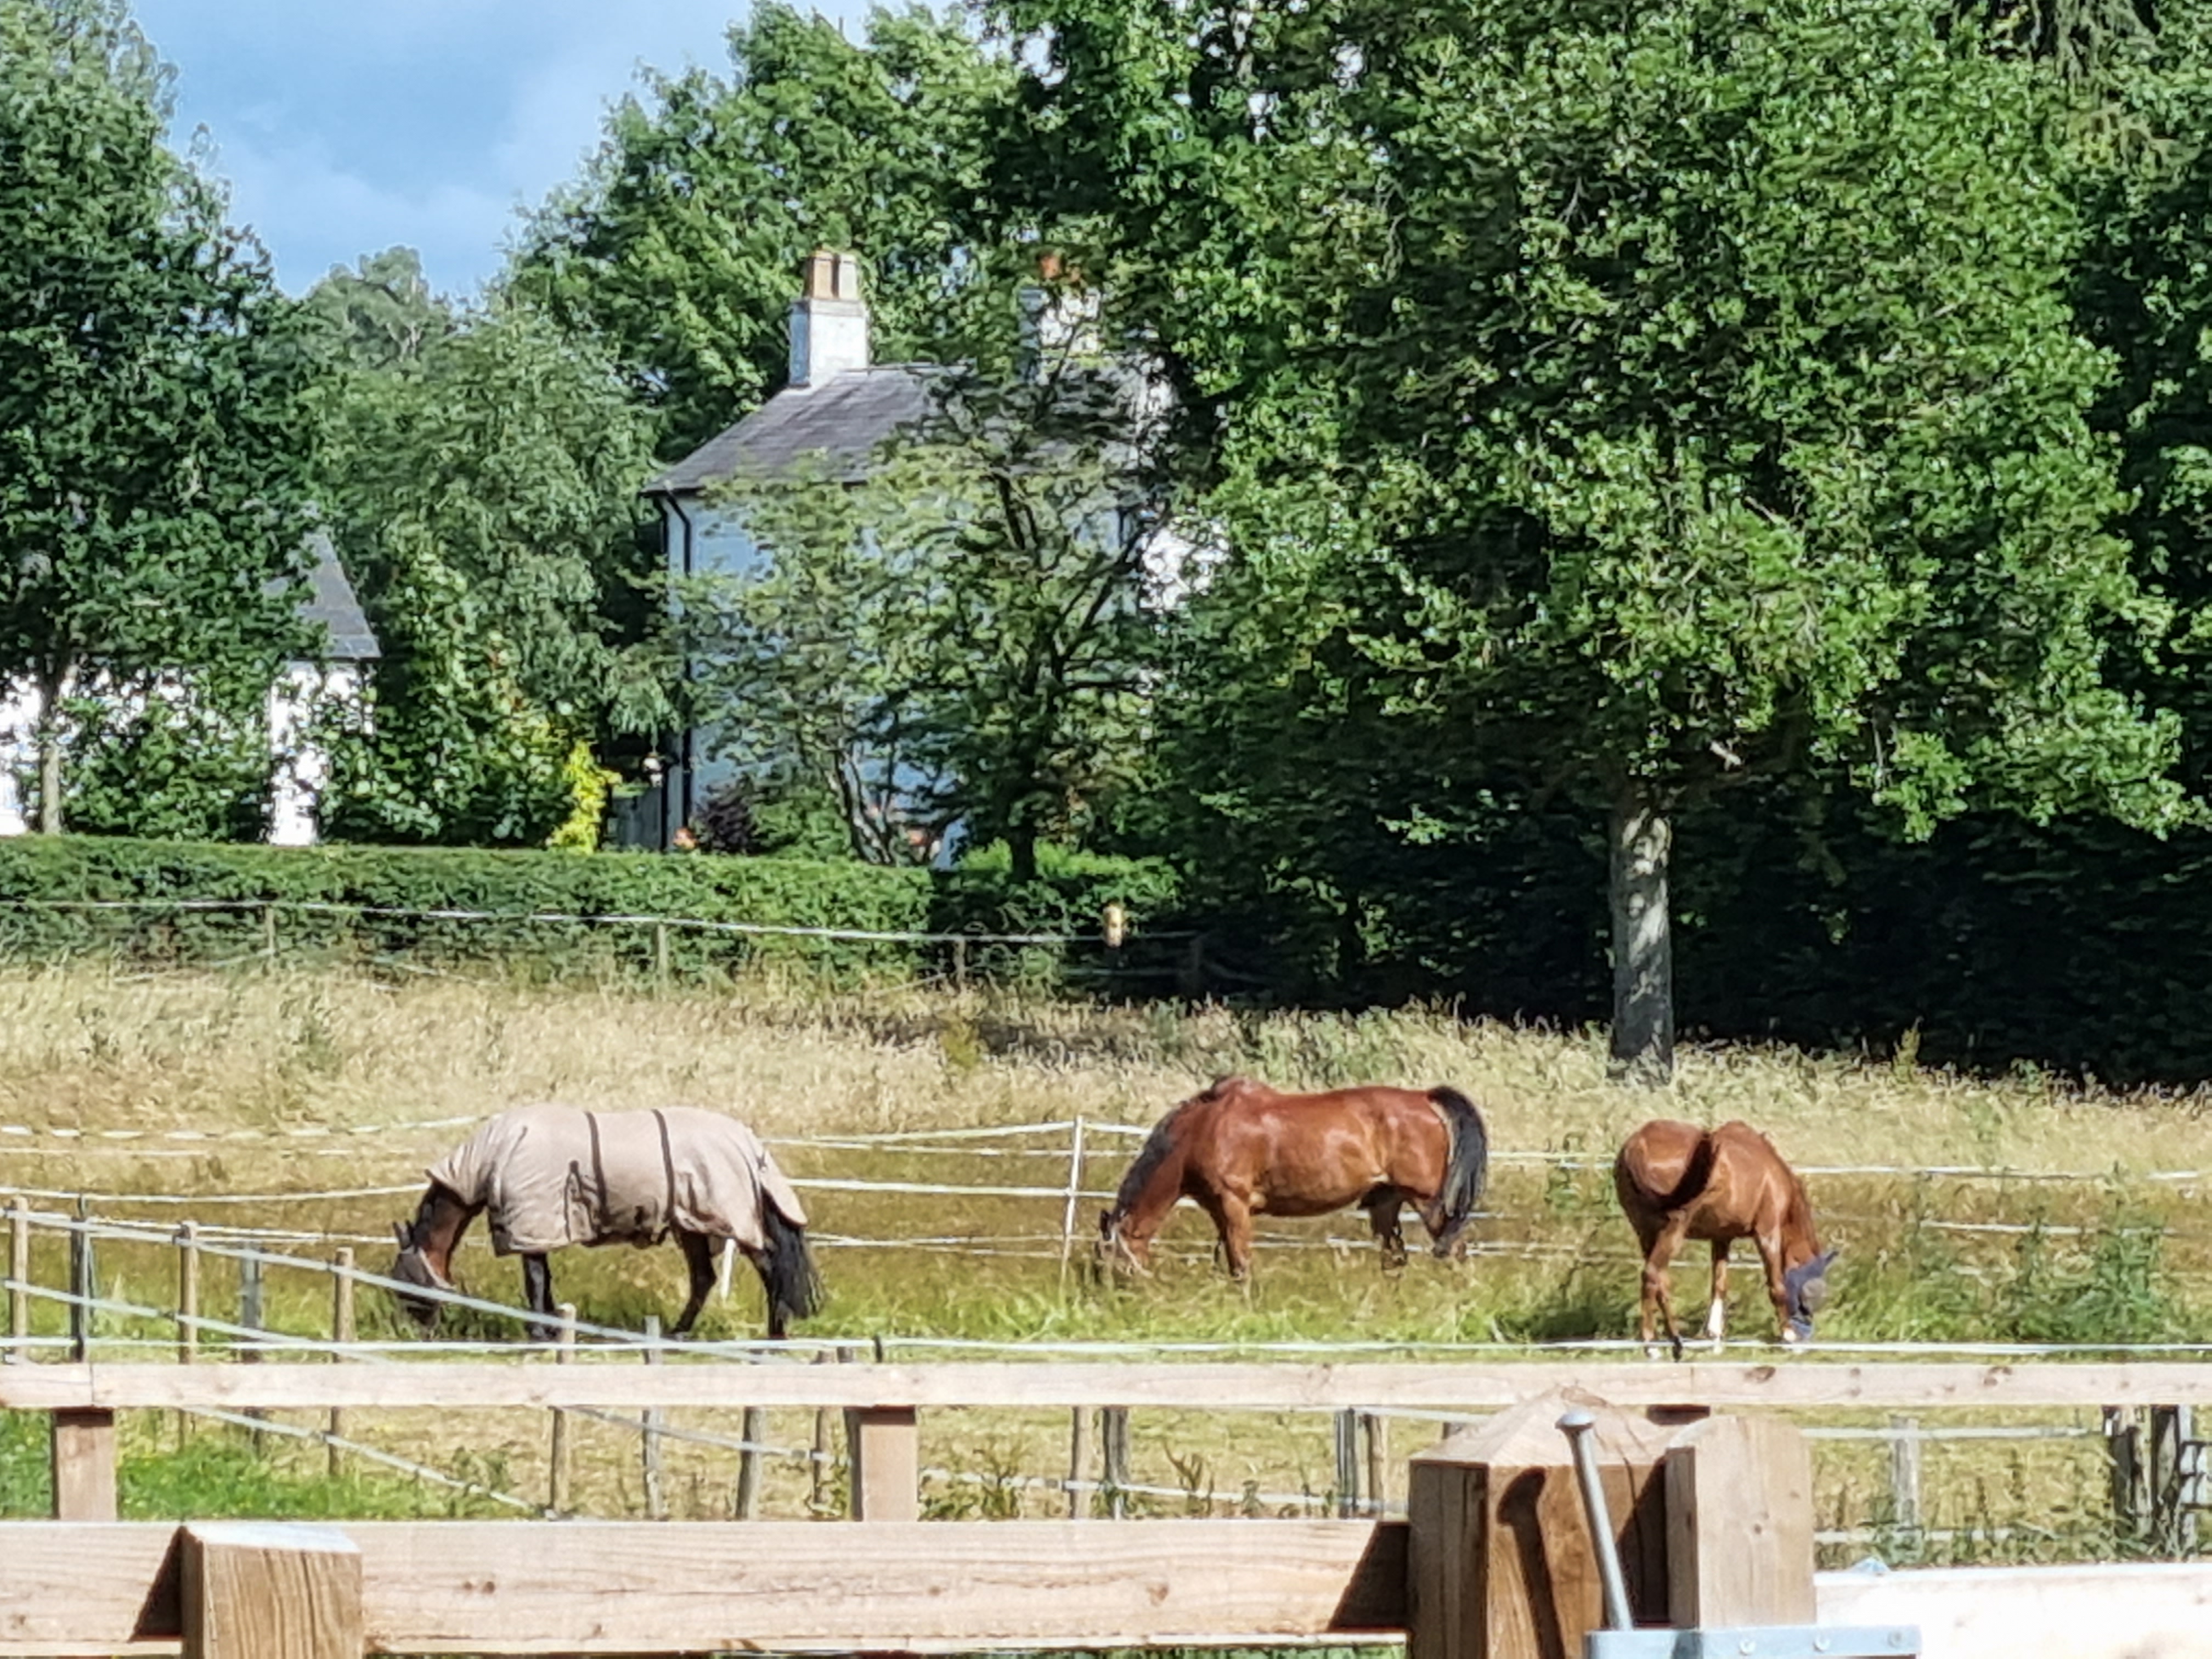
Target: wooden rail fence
86 1584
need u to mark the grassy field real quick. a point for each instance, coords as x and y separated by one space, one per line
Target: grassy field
2111 1256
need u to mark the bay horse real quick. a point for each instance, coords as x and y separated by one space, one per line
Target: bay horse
1240 1149
551 1175
1677 1182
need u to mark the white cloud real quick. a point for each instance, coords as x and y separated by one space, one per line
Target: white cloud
433 123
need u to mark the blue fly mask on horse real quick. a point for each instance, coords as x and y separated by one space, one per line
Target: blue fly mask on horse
1806 1286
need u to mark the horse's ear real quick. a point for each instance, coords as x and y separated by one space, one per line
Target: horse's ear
399 1232
1827 1261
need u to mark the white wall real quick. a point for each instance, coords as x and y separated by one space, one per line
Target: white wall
299 768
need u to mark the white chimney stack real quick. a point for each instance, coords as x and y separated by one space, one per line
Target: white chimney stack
829 322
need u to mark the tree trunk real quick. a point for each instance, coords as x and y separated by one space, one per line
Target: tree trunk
1641 842
1022 851
50 753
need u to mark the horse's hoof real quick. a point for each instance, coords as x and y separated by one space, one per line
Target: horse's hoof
1653 1350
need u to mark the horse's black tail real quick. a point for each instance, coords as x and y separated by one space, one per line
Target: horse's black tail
786 1271
1467 1166
1695 1174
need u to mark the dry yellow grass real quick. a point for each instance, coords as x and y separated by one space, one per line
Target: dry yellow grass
91 1050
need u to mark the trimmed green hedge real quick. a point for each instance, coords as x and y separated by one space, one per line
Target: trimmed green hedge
188 901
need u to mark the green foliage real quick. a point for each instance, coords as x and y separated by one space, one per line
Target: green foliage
1616 408
961 634
220 1473
186 770
481 483
155 433
680 247
327 901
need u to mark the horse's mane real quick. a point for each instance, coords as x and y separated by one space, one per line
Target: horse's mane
1158 1147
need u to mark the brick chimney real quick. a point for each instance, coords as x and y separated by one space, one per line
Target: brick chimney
829 322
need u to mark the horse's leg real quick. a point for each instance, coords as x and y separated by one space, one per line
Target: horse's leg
1232 1221
1716 1314
538 1294
1658 1256
1385 1215
699 1257
1777 1291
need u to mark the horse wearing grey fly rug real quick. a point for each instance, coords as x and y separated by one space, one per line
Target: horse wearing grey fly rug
546 1176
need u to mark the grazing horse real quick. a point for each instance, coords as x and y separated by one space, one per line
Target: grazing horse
551 1175
1678 1181
1241 1149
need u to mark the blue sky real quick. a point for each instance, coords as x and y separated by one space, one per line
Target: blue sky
346 128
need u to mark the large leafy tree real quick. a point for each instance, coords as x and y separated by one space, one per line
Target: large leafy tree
1636 403
680 247
154 432
481 482
961 630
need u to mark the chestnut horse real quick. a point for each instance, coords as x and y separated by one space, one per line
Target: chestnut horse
1241 1149
1678 1181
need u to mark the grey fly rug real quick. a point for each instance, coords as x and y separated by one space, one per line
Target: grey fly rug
547 1176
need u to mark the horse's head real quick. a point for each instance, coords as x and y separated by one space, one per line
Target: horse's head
412 1267
1117 1254
1805 1287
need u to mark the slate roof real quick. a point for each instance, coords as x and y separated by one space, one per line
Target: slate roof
331 605
843 420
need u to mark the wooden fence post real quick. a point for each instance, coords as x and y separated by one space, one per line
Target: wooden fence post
188 1293
1739 1495
188 1309
656 1504
2174 1529
660 954
342 1330
960 964
1078 1464
268 934
2130 1496
19 1271
1376 1427
1904 1473
84 1284
249 1303
1074 1193
818 1494
83 1448
1190 975
1114 1456
753 1433
253 1589
885 1445
557 1470
250 1319
1498 1554
1347 1462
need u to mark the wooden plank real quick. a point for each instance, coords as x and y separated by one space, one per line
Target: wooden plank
1501 1565
306 1387
886 1458
498 1587
84 1446
1739 1523
2035 1612
81 1589
266 1590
